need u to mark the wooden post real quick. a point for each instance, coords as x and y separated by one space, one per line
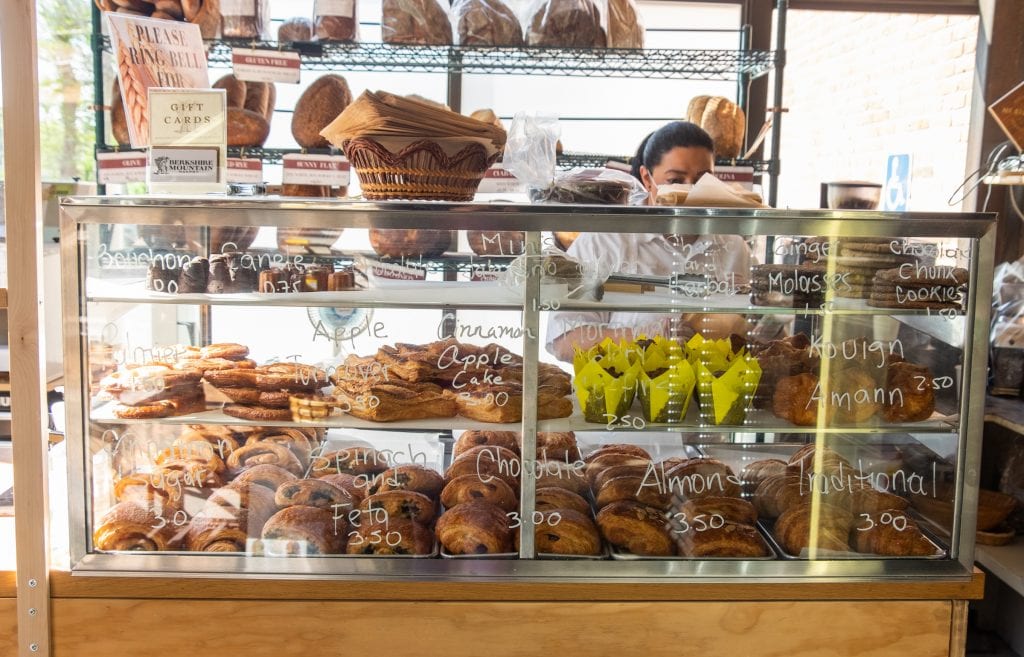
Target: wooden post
25 321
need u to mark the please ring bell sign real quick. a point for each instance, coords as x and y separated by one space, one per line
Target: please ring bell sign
188 140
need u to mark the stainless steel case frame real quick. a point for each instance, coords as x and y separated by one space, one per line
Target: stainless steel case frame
211 212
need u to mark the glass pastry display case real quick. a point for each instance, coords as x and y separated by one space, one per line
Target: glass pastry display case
449 391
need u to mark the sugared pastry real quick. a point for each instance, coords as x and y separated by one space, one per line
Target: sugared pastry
475 528
313 492
550 499
477 437
219 280
194 276
636 528
473 488
308 530
394 537
413 477
731 540
402 504
909 393
564 531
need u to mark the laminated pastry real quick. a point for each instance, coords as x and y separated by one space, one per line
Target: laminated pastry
551 499
503 403
136 526
485 23
756 472
230 518
313 492
559 474
356 461
487 463
297 441
636 528
775 495
891 533
422 22
646 473
794 532
909 393
142 488
794 399
732 509
633 488
702 477
567 532
610 460
151 383
618 448
397 400
401 504
781 358
276 377
265 474
411 477
565 24
807 459
318 105
477 437
308 530
723 119
625 29
732 540
298 28
223 438
470 487
356 485
257 413
475 528
557 446
172 406
394 537
264 453
204 455
869 500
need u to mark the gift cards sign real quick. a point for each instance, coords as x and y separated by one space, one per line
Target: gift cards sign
188 139
150 53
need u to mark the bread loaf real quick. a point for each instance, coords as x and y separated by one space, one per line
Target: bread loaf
422 22
335 20
235 88
317 107
723 120
260 97
625 30
485 23
566 24
295 29
246 128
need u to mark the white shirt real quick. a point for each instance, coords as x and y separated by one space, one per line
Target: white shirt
720 257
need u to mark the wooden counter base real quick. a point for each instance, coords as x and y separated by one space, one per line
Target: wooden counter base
104 627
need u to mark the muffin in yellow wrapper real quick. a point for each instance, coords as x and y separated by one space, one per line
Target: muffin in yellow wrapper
725 399
716 355
665 398
605 385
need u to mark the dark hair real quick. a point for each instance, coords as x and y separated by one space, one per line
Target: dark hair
669 136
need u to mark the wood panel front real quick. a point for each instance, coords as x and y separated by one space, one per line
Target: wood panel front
8 627
104 627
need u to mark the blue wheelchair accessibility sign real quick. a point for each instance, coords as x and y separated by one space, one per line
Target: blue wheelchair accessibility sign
896 192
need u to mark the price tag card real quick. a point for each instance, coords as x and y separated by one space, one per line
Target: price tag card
742 176
499 181
245 170
121 168
389 271
330 170
266 65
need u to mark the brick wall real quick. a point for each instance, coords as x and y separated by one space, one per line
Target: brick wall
860 86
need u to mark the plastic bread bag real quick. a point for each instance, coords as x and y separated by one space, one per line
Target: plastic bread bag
245 19
564 24
592 187
420 22
625 29
485 23
335 20
562 277
530 149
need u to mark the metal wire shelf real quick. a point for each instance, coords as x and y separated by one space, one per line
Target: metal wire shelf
575 62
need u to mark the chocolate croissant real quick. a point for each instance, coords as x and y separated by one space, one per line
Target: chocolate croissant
469 488
313 492
258 453
356 461
557 446
475 528
416 478
486 462
317 530
550 499
558 474
357 487
394 537
401 504
135 526
567 532
477 437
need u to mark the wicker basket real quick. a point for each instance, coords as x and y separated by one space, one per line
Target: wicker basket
422 170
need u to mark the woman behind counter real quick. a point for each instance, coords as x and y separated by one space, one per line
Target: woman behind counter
677 153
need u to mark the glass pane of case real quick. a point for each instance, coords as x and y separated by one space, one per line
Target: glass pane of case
273 394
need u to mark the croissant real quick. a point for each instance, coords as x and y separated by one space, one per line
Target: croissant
732 509
487 463
230 517
637 528
271 476
647 474
758 471
298 442
412 477
702 477
608 460
264 452
469 488
794 531
551 499
142 489
133 526
313 492
804 461
319 531
557 446
351 460
564 531
475 438
890 537
618 448
632 488
558 474
732 540
475 528
776 494
869 500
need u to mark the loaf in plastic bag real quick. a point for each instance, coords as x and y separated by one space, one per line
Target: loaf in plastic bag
625 29
422 22
564 24
485 23
335 20
561 276
530 156
245 19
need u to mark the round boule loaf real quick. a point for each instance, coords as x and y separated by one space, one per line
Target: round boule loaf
320 104
246 128
236 89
